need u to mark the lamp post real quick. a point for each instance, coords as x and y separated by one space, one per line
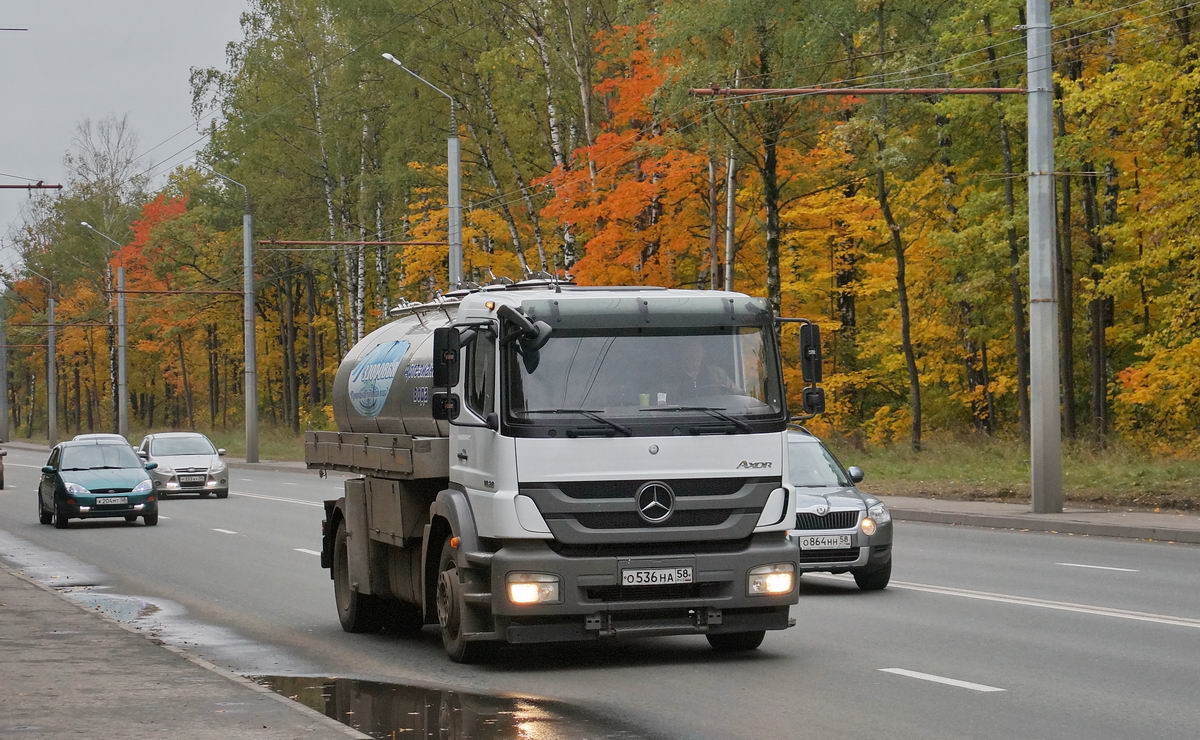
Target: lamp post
51 367
250 362
454 181
122 367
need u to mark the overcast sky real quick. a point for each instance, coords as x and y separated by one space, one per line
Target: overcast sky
89 58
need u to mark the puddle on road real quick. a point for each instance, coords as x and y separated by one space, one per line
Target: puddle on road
387 710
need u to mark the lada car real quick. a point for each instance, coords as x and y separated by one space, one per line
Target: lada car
88 479
839 529
187 463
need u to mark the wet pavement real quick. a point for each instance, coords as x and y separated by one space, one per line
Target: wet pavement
388 710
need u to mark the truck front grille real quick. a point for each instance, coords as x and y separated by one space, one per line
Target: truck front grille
832 520
703 509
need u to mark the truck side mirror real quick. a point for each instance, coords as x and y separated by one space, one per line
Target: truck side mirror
532 335
446 345
810 353
814 400
445 406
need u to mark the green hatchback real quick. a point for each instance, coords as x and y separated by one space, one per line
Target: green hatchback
95 478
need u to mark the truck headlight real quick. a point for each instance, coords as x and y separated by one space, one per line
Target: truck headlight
771 580
75 489
533 588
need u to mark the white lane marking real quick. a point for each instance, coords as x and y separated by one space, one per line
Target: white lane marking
224 531
277 498
23 465
1099 567
160 516
1066 606
307 552
285 483
942 679
246 480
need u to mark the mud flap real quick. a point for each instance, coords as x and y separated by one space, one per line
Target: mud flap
358 554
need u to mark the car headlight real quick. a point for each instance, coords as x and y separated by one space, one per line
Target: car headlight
143 487
75 489
217 469
164 471
879 513
771 580
532 588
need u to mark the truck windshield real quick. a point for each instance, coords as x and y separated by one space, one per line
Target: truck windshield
716 377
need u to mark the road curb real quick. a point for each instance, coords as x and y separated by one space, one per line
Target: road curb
1061 526
309 712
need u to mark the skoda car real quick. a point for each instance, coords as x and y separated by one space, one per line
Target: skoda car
839 529
89 478
187 463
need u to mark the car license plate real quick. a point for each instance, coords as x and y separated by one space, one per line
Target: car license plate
192 478
825 542
655 576
102 500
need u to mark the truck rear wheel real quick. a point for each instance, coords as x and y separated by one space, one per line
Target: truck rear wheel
357 612
736 641
451 607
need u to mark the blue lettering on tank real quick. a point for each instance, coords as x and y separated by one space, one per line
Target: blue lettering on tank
371 379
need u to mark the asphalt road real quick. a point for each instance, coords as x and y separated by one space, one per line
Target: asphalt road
982 634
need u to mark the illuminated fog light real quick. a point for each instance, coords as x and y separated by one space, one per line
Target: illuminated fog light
138 507
172 484
533 588
868 526
772 580
85 508
211 484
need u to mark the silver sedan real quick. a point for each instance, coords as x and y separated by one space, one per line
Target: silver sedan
187 463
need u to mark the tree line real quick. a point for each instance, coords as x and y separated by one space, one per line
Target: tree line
897 222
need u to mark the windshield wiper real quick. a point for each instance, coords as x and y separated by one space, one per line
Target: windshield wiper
592 414
715 412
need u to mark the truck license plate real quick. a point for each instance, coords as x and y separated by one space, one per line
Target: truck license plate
102 500
655 576
191 478
825 542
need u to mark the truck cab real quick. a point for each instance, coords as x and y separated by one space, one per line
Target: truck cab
594 463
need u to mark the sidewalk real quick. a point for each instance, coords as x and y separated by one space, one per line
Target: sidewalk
71 673
1170 526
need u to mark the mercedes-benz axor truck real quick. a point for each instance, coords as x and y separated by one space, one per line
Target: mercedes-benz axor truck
542 462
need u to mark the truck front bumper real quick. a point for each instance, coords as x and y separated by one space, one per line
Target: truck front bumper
593 604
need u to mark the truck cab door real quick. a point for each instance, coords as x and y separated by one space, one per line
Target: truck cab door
473 448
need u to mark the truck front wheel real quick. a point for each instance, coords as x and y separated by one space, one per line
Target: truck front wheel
357 612
451 608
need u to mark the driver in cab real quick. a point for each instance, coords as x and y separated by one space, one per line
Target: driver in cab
693 377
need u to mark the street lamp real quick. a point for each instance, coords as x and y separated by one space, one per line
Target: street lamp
454 182
250 361
122 367
51 366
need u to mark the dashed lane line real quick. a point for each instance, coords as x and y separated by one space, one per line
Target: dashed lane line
224 531
942 679
278 498
1066 606
1099 567
306 551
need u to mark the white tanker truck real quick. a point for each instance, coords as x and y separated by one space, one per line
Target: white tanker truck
546 462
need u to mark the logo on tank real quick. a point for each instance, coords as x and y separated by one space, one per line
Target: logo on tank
372 378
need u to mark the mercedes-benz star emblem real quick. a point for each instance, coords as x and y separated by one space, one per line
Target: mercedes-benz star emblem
822 510
655 501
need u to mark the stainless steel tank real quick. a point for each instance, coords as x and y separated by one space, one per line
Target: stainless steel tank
384 383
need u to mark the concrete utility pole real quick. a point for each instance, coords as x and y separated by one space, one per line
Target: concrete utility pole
3 378
453 178
51 379
1045 431
122 388
249 345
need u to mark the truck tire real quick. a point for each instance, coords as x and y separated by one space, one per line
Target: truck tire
729 642
874 580
357 612
404 618
450 609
